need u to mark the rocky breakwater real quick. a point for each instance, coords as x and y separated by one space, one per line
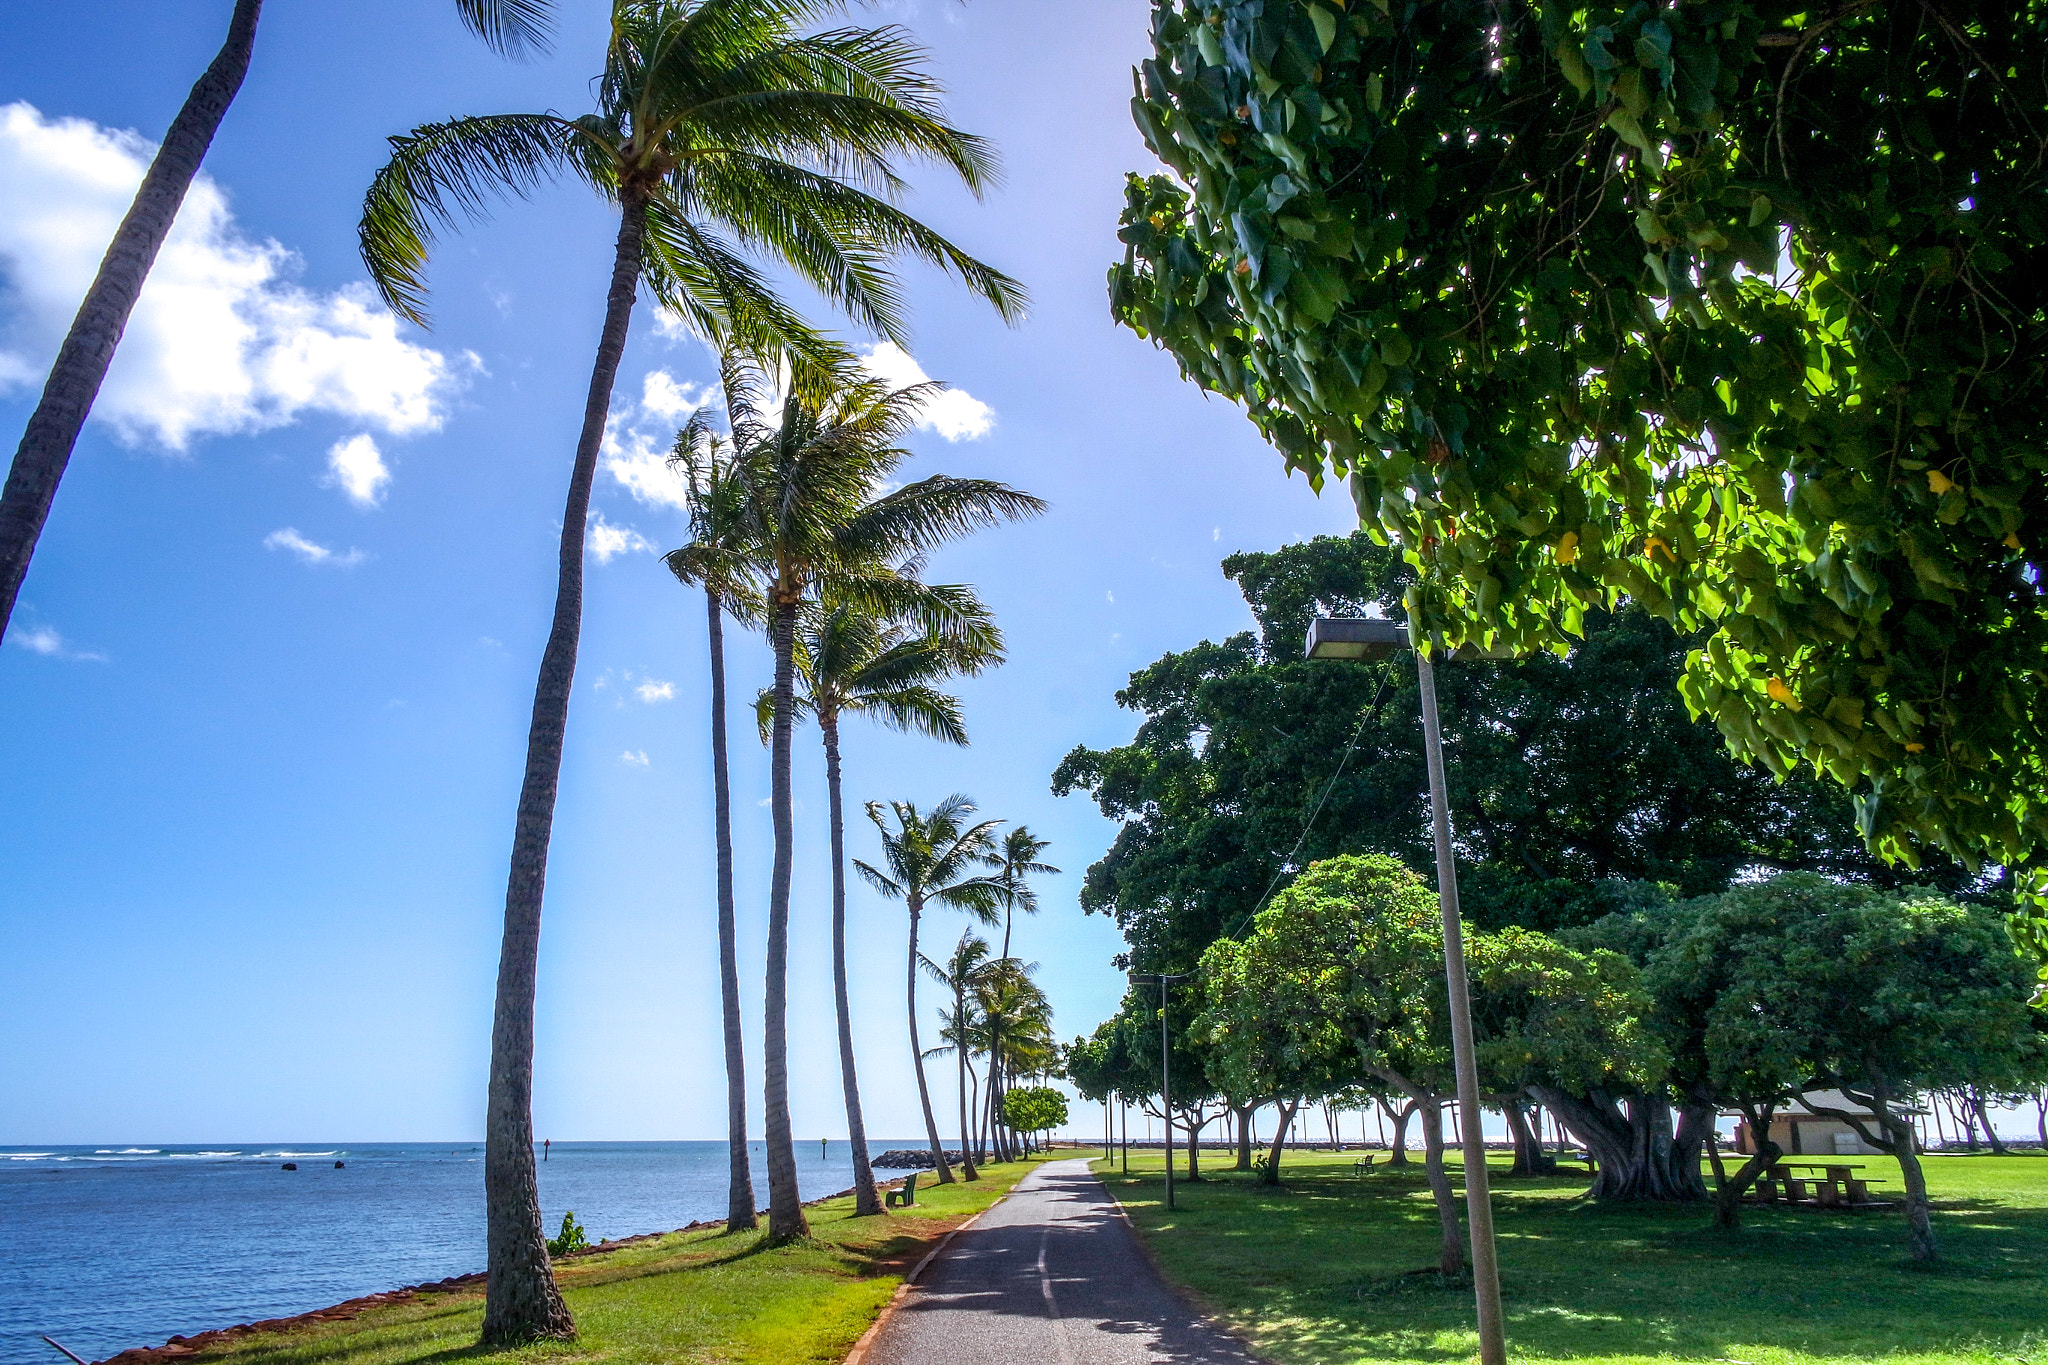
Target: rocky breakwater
912 1159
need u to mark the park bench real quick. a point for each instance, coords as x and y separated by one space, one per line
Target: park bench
1364 1163
905 1196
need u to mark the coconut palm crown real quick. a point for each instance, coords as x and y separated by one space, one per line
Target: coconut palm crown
729 134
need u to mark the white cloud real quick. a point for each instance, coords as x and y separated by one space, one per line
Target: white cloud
289 539
1215 533
222 339
45 640
662 397
638 437
608 542
357 468
651 691
954 414
634 758
1111 594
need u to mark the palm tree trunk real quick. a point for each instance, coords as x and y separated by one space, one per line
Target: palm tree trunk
865 1201
967 1171
521 1302
785 1204
739 1209
81 364
924 1094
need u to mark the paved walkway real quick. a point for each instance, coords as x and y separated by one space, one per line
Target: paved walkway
1050 1276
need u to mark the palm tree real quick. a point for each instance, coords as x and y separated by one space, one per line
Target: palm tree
714 117
810 475
88 349
1018 859
1016 1021
719 560
934 859
850 662
962 974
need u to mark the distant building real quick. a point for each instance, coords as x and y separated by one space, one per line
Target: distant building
1798 1132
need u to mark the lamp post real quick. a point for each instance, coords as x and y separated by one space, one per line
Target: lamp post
1369 638
1165 1067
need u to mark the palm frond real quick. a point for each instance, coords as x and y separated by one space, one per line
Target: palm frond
514 28
441 171
930 512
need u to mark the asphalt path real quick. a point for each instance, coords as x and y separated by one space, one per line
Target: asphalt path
1052 1275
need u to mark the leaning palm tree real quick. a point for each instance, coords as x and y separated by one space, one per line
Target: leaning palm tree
851 662
934 859
961 973
811 471
720 560
88 348
719 127
1017 859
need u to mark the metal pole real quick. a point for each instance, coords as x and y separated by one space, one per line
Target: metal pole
1166 1090
1478 1201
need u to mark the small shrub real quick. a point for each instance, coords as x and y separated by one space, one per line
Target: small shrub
569 1239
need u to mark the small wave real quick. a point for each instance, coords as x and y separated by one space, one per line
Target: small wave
216 1153
335 1152
128 1151
27 1156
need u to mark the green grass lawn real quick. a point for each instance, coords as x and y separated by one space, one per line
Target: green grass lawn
688 1297
1313 1272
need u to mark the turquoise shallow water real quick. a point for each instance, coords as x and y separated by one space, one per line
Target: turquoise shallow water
122 1245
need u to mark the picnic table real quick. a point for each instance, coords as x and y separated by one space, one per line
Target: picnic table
1837 1185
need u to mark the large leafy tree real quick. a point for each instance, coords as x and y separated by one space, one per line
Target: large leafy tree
933 858
1732 309
721 128
1880 995
1574 777
88 348
852 662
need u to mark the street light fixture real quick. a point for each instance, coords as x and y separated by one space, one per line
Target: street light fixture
1165 1070
1366 639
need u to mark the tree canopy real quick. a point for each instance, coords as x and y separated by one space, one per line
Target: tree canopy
1573 778
1731 309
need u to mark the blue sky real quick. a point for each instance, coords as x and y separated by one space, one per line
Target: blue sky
265 695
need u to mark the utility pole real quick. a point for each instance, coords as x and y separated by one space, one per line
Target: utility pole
1165 1068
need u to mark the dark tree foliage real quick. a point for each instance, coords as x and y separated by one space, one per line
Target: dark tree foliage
1572 780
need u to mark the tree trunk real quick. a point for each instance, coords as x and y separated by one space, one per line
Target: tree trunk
967 1171
1243 1114
1635 1156
1271 1175
1728 1196
1397 1154
1194 1132
1984 1117
1530 1158
1895 1137
739 1203
865 1200
1451 1247
521 1302
924 1094
81 364
785 1205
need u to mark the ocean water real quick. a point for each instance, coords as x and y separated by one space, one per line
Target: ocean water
114 1246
